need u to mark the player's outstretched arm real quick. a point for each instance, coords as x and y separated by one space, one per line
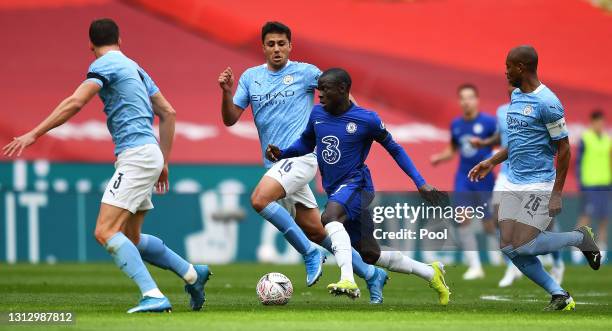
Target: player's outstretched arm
62 113
302 146
445 155
167 118
484 167
563 161
229 111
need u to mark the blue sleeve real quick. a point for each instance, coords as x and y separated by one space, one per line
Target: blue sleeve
304 145
242 97
312 76
99 73
152 89
553 116
382 136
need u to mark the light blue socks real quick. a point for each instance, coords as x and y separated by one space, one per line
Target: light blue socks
153 250
282 220
547 242
531 267
127 258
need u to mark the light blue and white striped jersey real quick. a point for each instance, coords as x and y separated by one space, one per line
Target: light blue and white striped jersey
281 101
125 91
535 120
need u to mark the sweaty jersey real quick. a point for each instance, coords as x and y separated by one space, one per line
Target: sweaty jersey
462 130
534 121
281 101
342 145
125 91
502 128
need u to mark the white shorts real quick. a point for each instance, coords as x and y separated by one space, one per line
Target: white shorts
294 174
500 183
526 203
137 170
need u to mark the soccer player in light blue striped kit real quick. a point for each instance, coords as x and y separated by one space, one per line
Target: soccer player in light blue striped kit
131 99
532 197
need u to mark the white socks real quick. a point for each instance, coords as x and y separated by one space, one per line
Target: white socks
191 275
398 262
154 293
341 246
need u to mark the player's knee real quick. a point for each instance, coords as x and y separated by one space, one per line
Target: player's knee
102 235
259 201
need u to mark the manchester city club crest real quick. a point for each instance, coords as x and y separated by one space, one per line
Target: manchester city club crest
527 110
288 80
351 127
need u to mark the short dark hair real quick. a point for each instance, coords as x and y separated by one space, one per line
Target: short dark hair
339 75
467 86
597 114
275 27
104 32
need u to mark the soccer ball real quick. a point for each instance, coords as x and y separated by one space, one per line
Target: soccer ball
274 289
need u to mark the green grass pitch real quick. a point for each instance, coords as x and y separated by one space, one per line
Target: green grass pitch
99 295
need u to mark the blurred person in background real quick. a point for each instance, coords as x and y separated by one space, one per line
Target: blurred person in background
594 173
472 123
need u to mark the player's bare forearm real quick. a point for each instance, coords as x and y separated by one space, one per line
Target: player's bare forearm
230 112
445 155
493 140
563 161
167 118
499 157
67 108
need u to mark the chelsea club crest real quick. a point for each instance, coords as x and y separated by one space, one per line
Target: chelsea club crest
351 127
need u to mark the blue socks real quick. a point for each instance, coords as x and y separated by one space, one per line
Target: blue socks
282 220
360 268
547 242
153 250
557 259
531 267
128 259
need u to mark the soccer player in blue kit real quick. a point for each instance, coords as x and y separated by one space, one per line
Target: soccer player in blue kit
343 133
536 133
131 99
472 123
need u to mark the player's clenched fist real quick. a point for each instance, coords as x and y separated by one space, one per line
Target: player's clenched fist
226 79
432 195
273 153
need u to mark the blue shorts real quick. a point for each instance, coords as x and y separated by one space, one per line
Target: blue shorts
595 201
355 200
473 194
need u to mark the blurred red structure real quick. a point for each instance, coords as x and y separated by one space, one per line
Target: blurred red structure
406 58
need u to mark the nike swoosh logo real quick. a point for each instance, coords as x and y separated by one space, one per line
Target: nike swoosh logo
318 122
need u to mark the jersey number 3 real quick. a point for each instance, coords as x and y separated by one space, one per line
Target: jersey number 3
331 153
